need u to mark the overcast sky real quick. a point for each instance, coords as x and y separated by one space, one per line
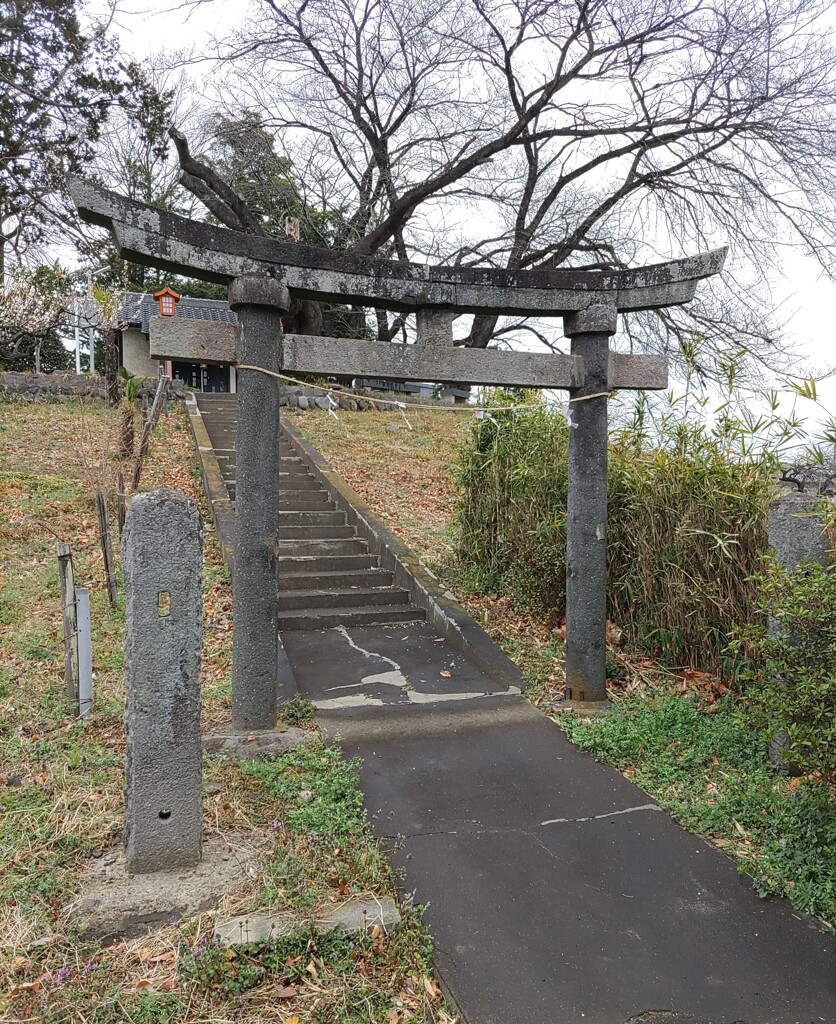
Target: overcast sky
802 294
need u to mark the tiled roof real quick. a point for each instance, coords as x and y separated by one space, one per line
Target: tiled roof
139 307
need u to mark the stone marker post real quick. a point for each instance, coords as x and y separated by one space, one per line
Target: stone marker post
161 559
259 303
796 531
586 515
796 534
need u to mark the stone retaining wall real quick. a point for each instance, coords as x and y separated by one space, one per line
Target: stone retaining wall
61 387
353 401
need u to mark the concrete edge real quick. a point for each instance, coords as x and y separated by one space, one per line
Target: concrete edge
447 616
394 722
223 510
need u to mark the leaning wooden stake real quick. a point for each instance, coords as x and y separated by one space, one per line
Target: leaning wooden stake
107 547
68 612
150 423
121 507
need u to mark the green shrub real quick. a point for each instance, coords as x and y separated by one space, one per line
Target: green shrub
687 523
794 662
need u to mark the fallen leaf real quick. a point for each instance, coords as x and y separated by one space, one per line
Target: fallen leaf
293 1020
311 969
444 673
377 931
143 983
392 1017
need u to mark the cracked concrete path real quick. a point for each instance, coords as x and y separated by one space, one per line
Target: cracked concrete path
556 891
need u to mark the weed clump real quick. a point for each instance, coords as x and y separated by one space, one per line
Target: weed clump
688 506
791 673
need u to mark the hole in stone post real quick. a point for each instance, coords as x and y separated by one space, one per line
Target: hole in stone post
165 815
163 604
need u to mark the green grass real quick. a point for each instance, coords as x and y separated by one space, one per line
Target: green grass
708 767
61 791
315 796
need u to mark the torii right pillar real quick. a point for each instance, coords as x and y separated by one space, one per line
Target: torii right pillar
590 331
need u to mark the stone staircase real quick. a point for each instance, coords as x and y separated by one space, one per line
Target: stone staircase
327 577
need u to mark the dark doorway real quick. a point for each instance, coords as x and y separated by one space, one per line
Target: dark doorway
216 378
202 377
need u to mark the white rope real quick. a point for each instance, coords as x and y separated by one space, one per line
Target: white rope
412 405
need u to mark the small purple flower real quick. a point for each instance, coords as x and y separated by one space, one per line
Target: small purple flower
350 944
89 965
275 825
61 975
363 908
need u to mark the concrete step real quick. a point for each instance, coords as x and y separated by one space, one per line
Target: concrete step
301 517
296 600
338 579
324 533
303 494
362 616
292 547
324 564
298 482
307 504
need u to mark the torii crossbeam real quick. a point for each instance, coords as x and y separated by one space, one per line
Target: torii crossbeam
263 274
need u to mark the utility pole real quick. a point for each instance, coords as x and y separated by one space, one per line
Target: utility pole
76 315
91 331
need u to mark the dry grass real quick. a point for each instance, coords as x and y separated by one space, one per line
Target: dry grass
405 475
61 782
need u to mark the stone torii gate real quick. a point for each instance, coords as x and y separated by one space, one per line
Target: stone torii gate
263 274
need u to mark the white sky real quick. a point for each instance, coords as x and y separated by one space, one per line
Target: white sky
802 295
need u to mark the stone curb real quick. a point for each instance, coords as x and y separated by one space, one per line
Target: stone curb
353 917
223 510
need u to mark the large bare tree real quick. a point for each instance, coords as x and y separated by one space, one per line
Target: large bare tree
547 133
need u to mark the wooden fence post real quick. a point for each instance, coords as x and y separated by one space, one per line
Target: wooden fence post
107 547
150 423
68 614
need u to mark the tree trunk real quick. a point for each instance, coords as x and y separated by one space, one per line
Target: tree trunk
482 331
111 368
126 432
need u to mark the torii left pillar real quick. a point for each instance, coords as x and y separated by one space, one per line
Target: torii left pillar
259 303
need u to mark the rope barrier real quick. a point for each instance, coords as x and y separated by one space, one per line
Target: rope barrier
414 405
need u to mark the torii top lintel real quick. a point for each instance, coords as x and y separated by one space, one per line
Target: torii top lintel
154 237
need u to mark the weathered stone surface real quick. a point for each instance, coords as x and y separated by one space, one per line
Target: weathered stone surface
586 525
435 327
255 637
248 929
354 917
796 530
597 318
359 916
161 560
258 290
152 236
115 904
346 357
59 387
197 341
256 746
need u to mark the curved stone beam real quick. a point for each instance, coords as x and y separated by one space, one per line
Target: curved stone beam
165 240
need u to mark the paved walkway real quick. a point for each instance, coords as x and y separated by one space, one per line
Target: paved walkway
557 892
